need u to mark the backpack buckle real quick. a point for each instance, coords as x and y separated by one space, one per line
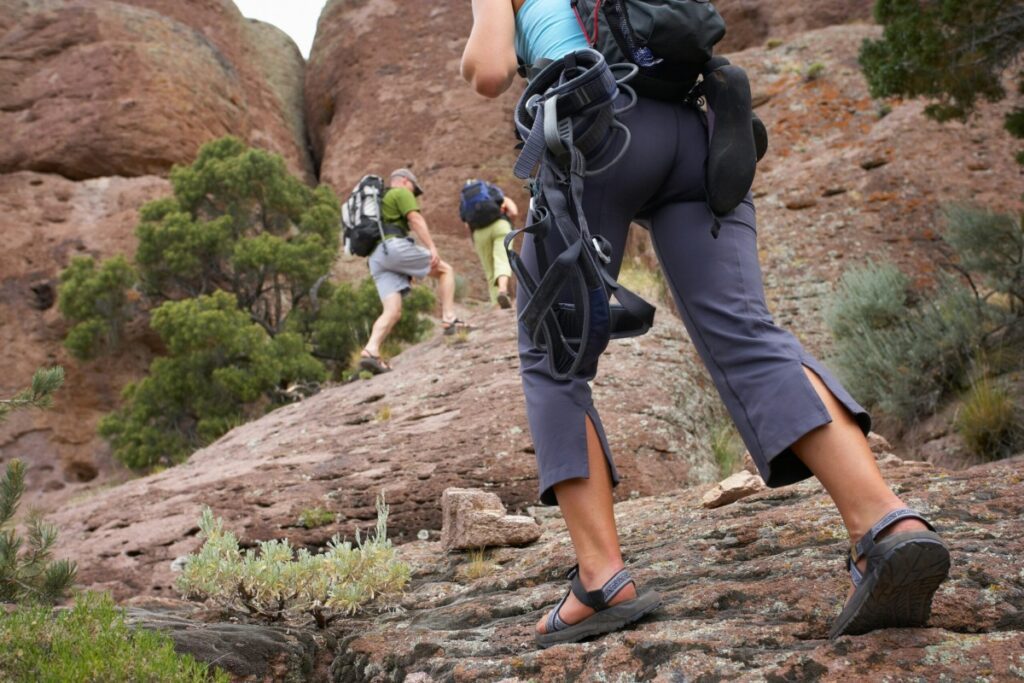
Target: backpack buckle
603 248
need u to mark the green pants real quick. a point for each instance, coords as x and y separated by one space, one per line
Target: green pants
490 247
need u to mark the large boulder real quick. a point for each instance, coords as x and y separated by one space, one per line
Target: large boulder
450 415
99 88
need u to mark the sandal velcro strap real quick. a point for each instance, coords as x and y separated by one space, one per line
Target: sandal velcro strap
597 600
867 541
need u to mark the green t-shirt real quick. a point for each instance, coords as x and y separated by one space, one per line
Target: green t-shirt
398 202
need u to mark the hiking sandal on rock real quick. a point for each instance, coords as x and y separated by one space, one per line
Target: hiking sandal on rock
903 571
450 327
373 364
504 301
606 618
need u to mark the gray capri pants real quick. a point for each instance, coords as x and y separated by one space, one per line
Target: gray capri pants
394 262
757 367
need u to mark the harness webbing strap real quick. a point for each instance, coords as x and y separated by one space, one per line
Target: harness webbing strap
566 113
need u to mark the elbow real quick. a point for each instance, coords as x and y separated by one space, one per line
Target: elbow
489 82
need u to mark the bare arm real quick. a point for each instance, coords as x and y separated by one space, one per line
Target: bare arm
489 60
418 225
509 207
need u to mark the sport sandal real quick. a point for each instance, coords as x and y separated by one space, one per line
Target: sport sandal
373 364
903 572
450 327
606 618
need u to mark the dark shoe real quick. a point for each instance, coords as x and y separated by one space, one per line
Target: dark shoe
732 152
504 301
373 364
451 327
760 136
606 618
904 570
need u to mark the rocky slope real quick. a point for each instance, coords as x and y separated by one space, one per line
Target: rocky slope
451 414
749 592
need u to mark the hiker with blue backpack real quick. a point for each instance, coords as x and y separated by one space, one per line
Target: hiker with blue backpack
666 137
379 223
488 214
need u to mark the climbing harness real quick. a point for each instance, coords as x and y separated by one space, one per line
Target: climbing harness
566 114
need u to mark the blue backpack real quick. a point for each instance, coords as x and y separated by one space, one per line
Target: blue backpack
480 204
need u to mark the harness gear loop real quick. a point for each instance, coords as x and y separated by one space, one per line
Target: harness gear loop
566 115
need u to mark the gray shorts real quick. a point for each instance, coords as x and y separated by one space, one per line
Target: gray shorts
393 269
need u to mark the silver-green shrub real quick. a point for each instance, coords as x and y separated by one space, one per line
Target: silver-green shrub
275 582
902 351
898 358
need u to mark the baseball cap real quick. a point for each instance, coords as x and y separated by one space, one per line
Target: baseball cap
408 175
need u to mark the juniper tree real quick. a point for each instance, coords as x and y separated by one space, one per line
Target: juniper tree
221 369
99 301
952 51
238 222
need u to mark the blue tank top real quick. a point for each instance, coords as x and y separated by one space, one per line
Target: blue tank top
547 29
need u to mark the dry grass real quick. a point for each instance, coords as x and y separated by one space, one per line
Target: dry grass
479 564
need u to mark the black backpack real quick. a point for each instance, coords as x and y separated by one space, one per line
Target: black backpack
480 204
668 40
360 216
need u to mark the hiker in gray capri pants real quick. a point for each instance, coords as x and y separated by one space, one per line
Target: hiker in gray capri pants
794 416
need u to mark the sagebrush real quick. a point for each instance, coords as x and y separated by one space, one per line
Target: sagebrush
276 582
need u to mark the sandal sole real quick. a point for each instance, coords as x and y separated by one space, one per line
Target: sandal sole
908 569
606 621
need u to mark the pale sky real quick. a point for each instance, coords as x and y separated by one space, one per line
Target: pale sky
297 18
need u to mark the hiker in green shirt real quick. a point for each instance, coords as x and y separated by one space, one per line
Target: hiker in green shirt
397 260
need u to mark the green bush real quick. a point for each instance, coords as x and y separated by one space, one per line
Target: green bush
904 366
91 642
342 323
221 369
953 52
989 246
314 518
98 301
239 222
989 421
238 228
274 582
904 352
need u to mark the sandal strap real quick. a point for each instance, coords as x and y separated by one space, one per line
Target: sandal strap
555 622
597 600
867 541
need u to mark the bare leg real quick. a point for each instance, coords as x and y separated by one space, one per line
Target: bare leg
445 276
839 456
382 325
503 284
586 505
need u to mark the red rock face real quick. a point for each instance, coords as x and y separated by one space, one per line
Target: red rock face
750 23
46 221
383 90
107 88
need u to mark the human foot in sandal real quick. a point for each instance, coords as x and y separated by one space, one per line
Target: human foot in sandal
612 606
372 363
450 327
895 575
